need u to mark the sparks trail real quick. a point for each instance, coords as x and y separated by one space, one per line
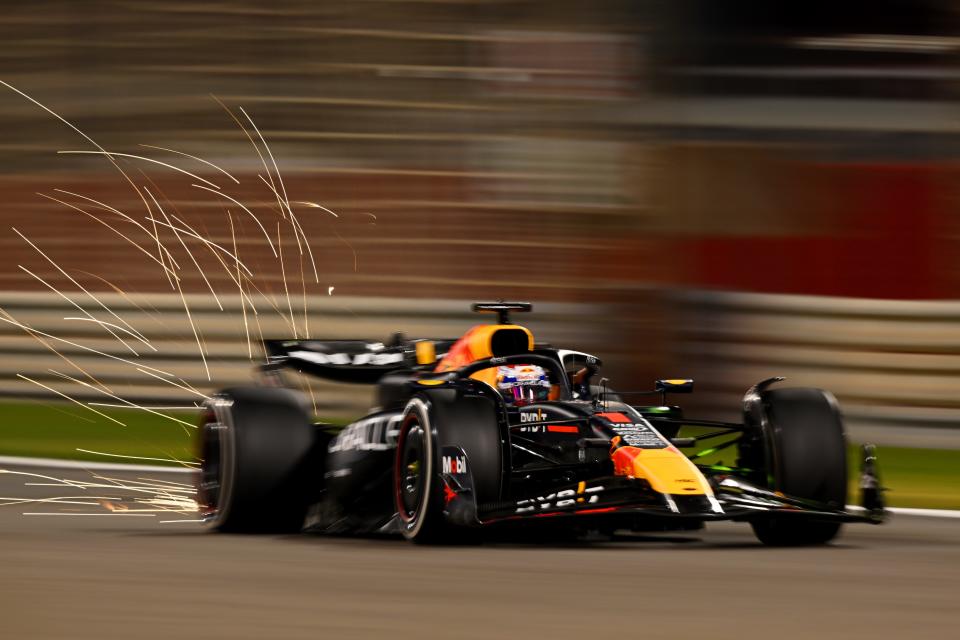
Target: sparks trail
239 282
182 384
84 136
73 400
145 497
56 352
206 162
8 319
119 399
163 254
167 238
244 207
143 158
163 250
73 280
184 463
109 327
247 134
192 407
190 231
186 249
286 289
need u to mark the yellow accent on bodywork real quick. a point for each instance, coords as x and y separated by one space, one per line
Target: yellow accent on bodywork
476 344
667 470
426 352
481 338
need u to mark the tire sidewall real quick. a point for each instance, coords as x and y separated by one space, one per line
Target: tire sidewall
267 465
417 411
796 424
788 470
217 515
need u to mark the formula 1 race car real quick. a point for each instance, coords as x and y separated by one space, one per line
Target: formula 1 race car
494 430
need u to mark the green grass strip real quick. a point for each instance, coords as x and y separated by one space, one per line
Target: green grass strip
925 478
57 430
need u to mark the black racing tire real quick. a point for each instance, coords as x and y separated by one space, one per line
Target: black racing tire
431 421
805 449
256 466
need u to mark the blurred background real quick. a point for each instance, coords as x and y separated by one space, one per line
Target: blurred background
722 191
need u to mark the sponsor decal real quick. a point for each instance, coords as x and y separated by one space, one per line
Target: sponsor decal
635 434
566 354
377 433
614 417
448 494
566 498
534 416
453 464
641 436
567 428
531 417
343 359
459 501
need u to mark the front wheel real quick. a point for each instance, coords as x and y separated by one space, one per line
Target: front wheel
436 423
421 518
802 447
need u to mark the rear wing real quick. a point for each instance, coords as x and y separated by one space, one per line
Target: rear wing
356 361
366 361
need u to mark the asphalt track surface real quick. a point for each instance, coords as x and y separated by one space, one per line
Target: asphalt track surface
100 577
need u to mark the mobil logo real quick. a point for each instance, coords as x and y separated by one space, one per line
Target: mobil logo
455 464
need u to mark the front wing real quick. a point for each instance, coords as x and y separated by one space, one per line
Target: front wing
733 499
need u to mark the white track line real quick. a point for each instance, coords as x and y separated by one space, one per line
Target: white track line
910 511
928 513
113 466
16 461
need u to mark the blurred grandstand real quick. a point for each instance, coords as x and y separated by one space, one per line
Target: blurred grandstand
626 161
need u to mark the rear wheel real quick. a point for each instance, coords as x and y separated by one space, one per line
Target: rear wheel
802 447
256 458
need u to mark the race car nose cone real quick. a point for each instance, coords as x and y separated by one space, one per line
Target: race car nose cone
667 470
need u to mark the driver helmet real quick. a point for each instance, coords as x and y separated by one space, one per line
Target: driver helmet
523 384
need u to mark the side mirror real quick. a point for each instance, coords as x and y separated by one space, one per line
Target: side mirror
674 386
